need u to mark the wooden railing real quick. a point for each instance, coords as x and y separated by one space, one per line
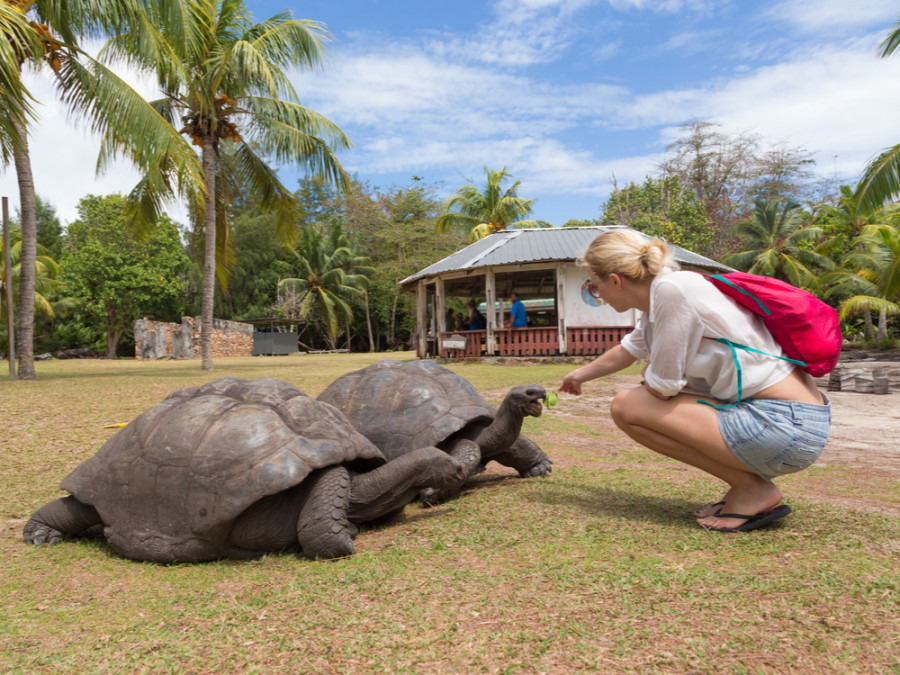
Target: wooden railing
581 340
594 339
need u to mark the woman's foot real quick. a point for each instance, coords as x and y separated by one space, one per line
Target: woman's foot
750 500
712 509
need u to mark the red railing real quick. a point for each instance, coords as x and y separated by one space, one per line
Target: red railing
594 339
536 341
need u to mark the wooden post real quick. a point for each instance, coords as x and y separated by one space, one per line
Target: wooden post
490 312
440 308
421 324
8 289
561 307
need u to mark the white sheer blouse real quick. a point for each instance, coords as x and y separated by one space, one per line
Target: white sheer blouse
685 309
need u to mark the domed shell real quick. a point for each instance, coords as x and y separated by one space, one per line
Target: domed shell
402 406
181 472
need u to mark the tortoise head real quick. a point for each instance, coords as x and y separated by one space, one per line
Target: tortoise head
526 400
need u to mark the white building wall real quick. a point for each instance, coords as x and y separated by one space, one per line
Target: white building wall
583 310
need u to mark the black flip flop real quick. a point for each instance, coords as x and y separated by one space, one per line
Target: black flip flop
753 522
719 504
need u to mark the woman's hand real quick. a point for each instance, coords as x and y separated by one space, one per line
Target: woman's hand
570 385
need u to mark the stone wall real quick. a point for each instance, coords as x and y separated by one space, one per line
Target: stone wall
161 340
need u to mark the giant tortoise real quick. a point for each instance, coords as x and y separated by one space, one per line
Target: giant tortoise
236 468
403 406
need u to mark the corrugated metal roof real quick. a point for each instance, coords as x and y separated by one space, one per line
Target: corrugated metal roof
511 247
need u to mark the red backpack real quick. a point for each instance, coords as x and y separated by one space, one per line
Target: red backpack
807 329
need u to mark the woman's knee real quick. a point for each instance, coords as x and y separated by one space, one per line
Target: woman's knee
624 407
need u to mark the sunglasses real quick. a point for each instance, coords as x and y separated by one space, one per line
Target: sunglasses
593 292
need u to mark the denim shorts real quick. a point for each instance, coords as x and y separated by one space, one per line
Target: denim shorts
775 437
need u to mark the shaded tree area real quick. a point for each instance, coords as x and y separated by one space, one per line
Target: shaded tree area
117 277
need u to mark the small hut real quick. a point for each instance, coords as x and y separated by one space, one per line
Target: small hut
539 266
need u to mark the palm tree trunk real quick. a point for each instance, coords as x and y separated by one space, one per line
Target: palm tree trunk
369 323
28 260
209 253
882 325
870 330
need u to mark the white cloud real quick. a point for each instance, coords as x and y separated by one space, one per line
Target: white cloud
816 16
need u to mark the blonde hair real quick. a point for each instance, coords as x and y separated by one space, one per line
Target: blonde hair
628 253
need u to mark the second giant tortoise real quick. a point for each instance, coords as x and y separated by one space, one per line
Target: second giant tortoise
403 406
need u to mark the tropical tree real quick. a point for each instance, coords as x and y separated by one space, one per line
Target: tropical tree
116 277
662 207
844 224
225 78
481 212
729 172
777 244
881 179
45 278
327 278
39 32
871 276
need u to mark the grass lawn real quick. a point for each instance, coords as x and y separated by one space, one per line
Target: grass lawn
597 568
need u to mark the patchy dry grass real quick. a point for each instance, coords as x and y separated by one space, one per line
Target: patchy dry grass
597 568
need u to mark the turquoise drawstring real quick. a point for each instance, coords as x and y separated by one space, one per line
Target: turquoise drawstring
737 365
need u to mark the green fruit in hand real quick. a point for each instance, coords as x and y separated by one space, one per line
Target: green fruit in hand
551 399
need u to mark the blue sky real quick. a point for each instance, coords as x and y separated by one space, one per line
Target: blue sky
567 94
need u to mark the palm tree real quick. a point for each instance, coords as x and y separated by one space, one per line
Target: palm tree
491 210
881 178
844 223
46 32
871 275
224 78
774 244
328 275
45 281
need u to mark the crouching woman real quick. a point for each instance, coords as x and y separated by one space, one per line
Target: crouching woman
745 419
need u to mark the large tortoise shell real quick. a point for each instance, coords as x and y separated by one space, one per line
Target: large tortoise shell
190 465
402 406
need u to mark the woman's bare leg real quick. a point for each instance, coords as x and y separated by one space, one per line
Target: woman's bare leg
688 431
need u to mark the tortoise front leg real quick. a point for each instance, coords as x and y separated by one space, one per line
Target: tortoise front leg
61 518
468 454
322 526
390 487
526 457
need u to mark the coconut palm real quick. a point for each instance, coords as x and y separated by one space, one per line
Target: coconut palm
224 79
844 224
45 32
871 275
881 178
45 281
481 212
774 244
326 278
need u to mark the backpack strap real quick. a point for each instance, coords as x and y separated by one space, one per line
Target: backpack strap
737 365
759 302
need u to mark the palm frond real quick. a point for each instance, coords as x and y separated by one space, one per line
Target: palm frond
859 303
131 127
881 179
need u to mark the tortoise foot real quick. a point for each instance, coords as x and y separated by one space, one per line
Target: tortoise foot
38 533
322 528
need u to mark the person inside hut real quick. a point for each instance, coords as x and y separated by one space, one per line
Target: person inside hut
517 318
476 318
